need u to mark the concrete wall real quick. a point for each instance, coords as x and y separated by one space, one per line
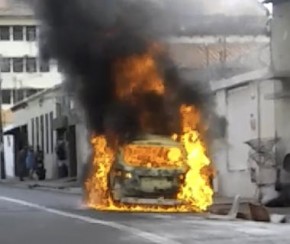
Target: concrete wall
250 116
233 171
266 109
234 8
202 51
281 38
221 7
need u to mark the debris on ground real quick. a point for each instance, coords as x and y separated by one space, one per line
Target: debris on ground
232 214
251 211
260 213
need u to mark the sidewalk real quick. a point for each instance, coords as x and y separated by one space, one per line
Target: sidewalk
66 185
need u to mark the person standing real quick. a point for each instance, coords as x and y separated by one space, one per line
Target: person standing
30 162
61 155
39 156
40 169
21 163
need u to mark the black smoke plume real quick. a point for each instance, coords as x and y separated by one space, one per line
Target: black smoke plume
87 36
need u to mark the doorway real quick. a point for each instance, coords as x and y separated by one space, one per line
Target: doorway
20 141
70 141
72 151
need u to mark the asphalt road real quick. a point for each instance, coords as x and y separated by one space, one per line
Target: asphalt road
31 216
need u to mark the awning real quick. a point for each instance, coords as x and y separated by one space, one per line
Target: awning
10 129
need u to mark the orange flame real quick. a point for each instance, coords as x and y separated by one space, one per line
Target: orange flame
137 74
133 76
196 190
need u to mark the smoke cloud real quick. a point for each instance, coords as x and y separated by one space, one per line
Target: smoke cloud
87 37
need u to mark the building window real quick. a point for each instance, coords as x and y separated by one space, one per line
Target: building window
6 65
17 33
37 131
32 134
42 132
47 132
18 95
18 64
31 33
51 132
44 66
4 33
31 65
6 96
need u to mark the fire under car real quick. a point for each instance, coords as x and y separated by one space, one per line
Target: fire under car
148 170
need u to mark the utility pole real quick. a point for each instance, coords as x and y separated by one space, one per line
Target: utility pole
2 164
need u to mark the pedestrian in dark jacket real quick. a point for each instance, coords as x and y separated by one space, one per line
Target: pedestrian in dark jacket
39 156
40 169
61 155
30 162
21 164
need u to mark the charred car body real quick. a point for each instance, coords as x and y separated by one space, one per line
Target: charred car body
150 168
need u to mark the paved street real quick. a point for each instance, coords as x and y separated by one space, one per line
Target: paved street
32 216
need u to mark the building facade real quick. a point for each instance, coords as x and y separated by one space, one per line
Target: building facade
42 120
255 154
23 72
254 158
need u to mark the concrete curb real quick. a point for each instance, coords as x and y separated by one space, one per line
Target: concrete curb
41 188
56 189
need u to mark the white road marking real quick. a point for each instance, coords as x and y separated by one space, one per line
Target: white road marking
154 238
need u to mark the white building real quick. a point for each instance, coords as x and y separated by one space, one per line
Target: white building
23 72
41 120
256 106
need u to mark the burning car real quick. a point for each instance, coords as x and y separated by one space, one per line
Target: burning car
151 173
128 85
148 169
